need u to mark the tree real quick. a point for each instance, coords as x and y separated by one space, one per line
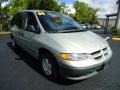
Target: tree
33 4
51 5
84 13
1 23
17 5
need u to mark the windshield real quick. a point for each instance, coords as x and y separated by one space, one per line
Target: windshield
53 21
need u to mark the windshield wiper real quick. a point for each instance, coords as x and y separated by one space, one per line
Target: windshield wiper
69 28
67 31
73 29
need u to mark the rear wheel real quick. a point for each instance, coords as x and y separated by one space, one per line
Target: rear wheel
13 43
49 66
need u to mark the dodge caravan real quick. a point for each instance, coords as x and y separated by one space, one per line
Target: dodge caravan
61 45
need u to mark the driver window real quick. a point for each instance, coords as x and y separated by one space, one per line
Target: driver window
31 21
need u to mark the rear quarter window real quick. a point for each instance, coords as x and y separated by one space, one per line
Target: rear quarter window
17 20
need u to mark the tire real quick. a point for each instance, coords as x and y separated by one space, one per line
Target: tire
49 66
13 43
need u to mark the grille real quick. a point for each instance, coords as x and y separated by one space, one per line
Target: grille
97 55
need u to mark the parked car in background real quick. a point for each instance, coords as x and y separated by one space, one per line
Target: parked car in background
95 26
83 26
88 26
60 44
98 27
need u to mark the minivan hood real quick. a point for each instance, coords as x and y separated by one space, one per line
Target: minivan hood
79 42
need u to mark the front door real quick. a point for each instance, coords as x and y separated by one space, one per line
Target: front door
29 36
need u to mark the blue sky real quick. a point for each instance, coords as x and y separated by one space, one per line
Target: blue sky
67 1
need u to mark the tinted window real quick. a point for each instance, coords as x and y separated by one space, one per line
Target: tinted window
31 21
12 21
17 20
24 17
53 21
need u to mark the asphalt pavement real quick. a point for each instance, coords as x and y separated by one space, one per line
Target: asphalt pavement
19 71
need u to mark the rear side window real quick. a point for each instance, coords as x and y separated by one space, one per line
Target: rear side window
17 20
23 19
12 21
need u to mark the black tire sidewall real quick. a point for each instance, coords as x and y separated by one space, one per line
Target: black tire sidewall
52 61
15 44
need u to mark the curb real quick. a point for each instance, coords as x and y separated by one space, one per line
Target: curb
115 38
5 33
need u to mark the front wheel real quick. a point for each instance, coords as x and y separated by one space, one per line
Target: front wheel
49 66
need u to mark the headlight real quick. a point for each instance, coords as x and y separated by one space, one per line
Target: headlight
77 56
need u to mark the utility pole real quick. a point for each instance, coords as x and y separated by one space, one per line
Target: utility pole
118 16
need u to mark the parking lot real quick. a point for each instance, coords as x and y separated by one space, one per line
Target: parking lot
19 71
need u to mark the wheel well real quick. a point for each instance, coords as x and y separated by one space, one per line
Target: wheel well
43 50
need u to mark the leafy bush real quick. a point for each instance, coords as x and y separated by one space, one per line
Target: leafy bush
115 32
6 27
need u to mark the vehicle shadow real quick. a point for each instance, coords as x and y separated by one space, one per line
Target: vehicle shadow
35 65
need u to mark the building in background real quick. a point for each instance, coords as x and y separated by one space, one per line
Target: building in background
117 15
102 22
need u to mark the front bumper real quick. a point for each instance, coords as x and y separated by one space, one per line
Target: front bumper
82 73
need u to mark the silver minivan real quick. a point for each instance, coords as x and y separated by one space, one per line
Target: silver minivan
61 45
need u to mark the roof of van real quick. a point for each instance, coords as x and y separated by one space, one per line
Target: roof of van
35 11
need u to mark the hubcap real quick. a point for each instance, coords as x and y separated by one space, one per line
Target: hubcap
47 67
